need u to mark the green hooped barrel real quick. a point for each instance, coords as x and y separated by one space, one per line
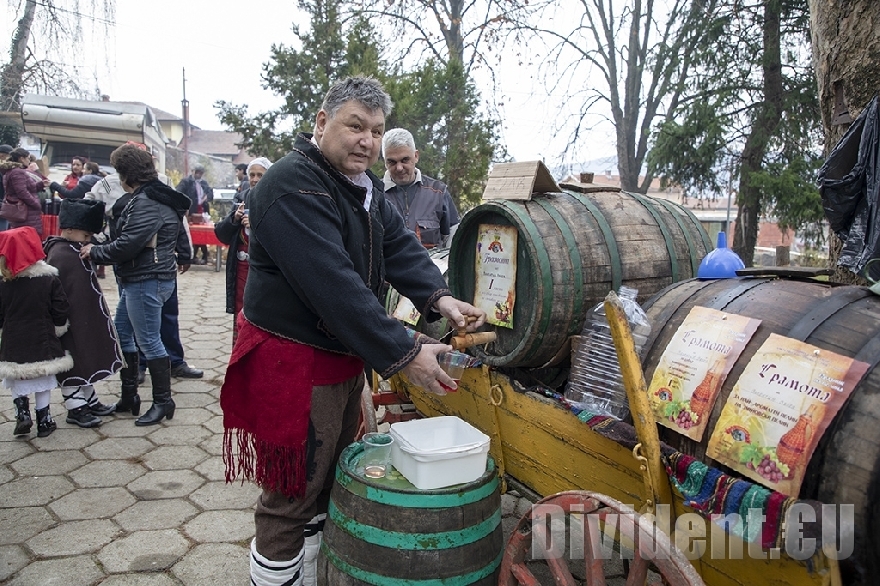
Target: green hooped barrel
572 249
385 532
436 329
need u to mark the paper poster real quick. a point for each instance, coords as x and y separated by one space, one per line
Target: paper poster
695 365
405 310
495 289
779 409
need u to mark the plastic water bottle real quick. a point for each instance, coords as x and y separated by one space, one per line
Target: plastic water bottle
595 383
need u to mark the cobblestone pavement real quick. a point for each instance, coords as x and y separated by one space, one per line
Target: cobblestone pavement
121 505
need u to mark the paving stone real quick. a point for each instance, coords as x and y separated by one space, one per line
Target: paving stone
30 491
43 463
212 468
12 451
214 408
144 551
19 524
74 538
120 448
181 435
213 445
12 559
165 484
66 439
140 580
6 474
158 514
78 571
213 563
123 426
190 400
229 526
188 416
174 458
214 424
92 503
103 473
200 385
219 495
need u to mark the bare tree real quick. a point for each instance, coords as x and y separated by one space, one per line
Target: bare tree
61 27
846 52
631 61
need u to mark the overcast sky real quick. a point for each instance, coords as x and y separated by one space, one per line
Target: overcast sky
222 47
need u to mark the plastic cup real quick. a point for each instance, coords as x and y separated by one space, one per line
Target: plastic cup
377 454
453 363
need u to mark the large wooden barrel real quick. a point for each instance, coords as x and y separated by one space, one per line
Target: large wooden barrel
386 532
436 329
572 249
845 467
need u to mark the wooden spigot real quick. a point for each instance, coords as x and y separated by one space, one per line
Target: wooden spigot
463 339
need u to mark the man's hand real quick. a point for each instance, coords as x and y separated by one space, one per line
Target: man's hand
84 251
456 310
183 268
424 371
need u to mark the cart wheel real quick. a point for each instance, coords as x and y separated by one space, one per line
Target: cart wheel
671 564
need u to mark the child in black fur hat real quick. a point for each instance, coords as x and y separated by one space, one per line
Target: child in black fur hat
91 339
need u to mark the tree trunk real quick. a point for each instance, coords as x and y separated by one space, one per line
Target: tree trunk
846 58
12 75
766 120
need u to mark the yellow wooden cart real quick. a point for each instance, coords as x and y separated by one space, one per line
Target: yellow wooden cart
540 445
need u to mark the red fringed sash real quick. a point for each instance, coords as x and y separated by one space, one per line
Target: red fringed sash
266 402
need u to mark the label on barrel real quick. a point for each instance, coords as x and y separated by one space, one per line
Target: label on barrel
495 266
695 365
781 405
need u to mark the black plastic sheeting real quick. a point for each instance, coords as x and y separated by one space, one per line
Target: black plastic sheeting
849 183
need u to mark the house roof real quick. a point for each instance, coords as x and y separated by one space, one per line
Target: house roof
215 142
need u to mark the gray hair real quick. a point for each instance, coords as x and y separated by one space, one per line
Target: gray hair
365 90
396 138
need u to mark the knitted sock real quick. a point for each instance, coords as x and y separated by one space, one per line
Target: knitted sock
313 532
76 397
41 399
265 572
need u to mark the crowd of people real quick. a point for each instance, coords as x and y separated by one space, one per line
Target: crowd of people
313 241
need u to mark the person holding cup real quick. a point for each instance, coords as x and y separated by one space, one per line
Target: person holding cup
324 239
234 231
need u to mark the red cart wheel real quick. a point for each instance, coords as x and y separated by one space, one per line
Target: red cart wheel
657 549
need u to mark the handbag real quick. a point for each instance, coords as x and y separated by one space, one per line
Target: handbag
13 212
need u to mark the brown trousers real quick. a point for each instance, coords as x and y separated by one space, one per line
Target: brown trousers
333 424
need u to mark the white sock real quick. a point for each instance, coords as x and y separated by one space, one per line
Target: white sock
41 399
75 397
314 530
265 572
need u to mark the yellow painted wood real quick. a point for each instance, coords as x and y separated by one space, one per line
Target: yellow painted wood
548 449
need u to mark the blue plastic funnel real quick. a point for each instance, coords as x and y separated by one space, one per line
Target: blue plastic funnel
721 263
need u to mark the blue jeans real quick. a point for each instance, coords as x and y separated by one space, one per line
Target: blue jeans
139 316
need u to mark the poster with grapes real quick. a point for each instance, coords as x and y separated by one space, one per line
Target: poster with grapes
405 311
495 260
781 405
693 367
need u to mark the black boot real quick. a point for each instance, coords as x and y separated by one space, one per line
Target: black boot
130 400
83 417
45 424
23 421
163 404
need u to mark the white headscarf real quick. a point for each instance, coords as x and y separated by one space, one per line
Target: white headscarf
261 161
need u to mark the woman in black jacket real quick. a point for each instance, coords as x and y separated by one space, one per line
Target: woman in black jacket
150 235
234 231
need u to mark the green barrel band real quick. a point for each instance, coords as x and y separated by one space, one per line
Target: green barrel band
664 230
412 499
378 580
413 541
706 242
608 234
692 247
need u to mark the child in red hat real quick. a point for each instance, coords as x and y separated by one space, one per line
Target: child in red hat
33 316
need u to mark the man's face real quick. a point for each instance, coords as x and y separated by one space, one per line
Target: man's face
198 174
239 174
401 164
351 140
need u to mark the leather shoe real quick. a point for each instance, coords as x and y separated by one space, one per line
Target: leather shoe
142 376
186 371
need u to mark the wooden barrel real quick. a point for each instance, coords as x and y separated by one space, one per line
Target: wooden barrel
385 532
572 248
845 467
436 329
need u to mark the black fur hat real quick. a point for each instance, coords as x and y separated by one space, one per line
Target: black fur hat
82 214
